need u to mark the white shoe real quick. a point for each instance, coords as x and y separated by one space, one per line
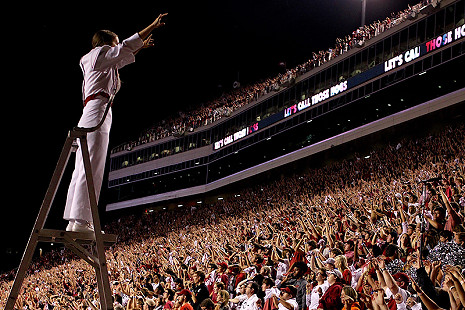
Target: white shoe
70 226
85 228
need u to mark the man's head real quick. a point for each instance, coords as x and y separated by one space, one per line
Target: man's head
401 279
329 263
445 236
349 245
265 271
321 275
222 267
334 276
168 294
459 238
391 236
178 284
335 252
411 229
104 37
267 283
218 286
251 288
288 292
198 277
183 296
242 289
207 304
439 213
299 269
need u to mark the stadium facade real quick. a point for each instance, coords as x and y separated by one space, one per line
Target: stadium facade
413 69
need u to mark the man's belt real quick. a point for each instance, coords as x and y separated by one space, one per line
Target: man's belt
93 96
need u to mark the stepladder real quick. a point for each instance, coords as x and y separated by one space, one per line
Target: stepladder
89 246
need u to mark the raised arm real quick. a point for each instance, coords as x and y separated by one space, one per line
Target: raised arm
157 23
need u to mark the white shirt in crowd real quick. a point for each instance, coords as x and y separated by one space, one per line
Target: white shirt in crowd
313 299
250 303
270 292
405 294
291 301
282 269
403 306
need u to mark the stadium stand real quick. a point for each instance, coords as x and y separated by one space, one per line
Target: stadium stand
382 230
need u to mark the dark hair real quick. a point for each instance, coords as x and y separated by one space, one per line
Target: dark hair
207 303
268 281
313 244
441 210
302 266
103 37
393 234
179 281
201 275
323 272
336 251
254 286
170 294
219 285
391 250
448 235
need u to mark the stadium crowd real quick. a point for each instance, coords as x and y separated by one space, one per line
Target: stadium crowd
347 235
232 100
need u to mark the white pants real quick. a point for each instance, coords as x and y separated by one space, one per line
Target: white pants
77 202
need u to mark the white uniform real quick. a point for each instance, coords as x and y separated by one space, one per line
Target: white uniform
100 69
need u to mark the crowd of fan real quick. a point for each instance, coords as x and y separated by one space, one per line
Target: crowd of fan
343 236
230 101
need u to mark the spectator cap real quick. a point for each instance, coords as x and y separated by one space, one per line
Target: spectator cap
185 292
223 265
329 261
335 272
291 289
400 276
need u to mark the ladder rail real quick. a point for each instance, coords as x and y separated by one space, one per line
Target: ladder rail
98 261
102 272
40 221
96 127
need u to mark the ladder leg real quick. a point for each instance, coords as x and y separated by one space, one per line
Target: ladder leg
39 224
103 282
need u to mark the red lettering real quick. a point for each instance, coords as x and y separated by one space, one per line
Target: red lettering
429 46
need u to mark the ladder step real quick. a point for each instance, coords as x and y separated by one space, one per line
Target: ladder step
58 236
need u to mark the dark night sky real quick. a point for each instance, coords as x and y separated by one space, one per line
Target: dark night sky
203 45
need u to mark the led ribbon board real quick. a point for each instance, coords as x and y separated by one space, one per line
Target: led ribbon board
388 65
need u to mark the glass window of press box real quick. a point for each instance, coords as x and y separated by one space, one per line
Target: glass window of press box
367 57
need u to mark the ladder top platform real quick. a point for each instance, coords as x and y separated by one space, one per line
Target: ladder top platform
61 236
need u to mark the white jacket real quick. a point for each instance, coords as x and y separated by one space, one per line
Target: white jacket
100 66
